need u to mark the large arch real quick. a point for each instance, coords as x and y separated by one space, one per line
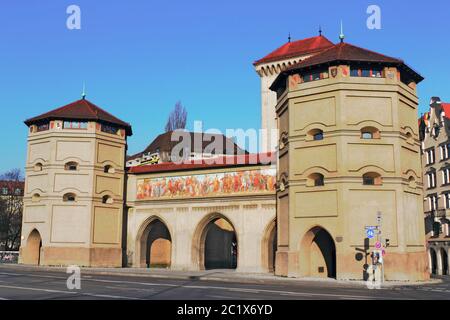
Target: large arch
444 259
215 243
434 261
269 247
154 244
33 248
317 254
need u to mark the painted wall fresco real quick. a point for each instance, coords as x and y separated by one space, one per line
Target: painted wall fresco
216 184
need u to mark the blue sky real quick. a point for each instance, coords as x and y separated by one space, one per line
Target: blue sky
138 58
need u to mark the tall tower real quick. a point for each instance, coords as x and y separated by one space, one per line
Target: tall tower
74 187
349 160
269 67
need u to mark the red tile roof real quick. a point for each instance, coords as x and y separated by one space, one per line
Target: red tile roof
446 107
81 110
221 162
297 48
345 52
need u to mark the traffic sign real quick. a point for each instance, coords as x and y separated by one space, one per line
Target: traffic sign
378 245
370 233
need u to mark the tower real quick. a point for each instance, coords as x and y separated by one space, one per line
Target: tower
270 66
74 187
349 159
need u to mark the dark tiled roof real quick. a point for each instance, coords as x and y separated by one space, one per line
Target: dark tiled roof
81 110
164 143
344 52
297 48
219 162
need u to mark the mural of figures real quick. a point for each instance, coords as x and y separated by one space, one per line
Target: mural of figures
218 184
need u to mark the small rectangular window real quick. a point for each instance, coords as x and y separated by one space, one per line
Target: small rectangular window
109 129
368 181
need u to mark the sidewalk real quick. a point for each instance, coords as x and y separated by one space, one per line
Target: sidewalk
211 275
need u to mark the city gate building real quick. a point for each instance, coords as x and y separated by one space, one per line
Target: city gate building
348 148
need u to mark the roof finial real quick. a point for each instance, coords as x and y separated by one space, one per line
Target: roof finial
320 30
83 94
289 37
342 36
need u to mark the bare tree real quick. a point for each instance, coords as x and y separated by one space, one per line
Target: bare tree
177 118
11 209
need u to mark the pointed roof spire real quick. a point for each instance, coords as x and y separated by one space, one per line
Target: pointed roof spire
83 94
342 36
320 30
289 37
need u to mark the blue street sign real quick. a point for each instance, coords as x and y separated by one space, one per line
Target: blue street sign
370 233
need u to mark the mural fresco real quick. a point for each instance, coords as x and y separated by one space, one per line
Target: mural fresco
215 184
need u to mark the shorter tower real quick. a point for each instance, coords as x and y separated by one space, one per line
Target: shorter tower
74 187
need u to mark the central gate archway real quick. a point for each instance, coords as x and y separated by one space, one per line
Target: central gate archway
215 244
318 254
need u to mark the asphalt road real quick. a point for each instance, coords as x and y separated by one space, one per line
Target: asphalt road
19 284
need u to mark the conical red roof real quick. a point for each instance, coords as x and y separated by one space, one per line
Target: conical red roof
81 110
297 48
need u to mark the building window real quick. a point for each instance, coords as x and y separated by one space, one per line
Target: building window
107 200
372 179
433 202
431 180
69 197
38 167
436 229
315 75
71 166
315 134
430 156
108 169
367 72
36 197
18 191
447 200
5 191
446 176
444 151
370 133
42 127
109 129
75 125
316 180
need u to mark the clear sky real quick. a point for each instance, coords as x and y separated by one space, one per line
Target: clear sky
139 57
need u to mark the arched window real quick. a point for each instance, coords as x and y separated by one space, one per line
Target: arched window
316 180
36 197
69 197
370 133
38 167
109 169
412 182
315 134
107 199
71 166
372 179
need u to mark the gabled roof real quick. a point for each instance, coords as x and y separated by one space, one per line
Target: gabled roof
81 110
164 143
297 48
244 160
345 52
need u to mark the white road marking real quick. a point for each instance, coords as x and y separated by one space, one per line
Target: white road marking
70 292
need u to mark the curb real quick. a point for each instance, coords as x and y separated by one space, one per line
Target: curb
240 278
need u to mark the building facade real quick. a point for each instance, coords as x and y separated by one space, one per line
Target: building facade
349 150
349 155
74 191
434 129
